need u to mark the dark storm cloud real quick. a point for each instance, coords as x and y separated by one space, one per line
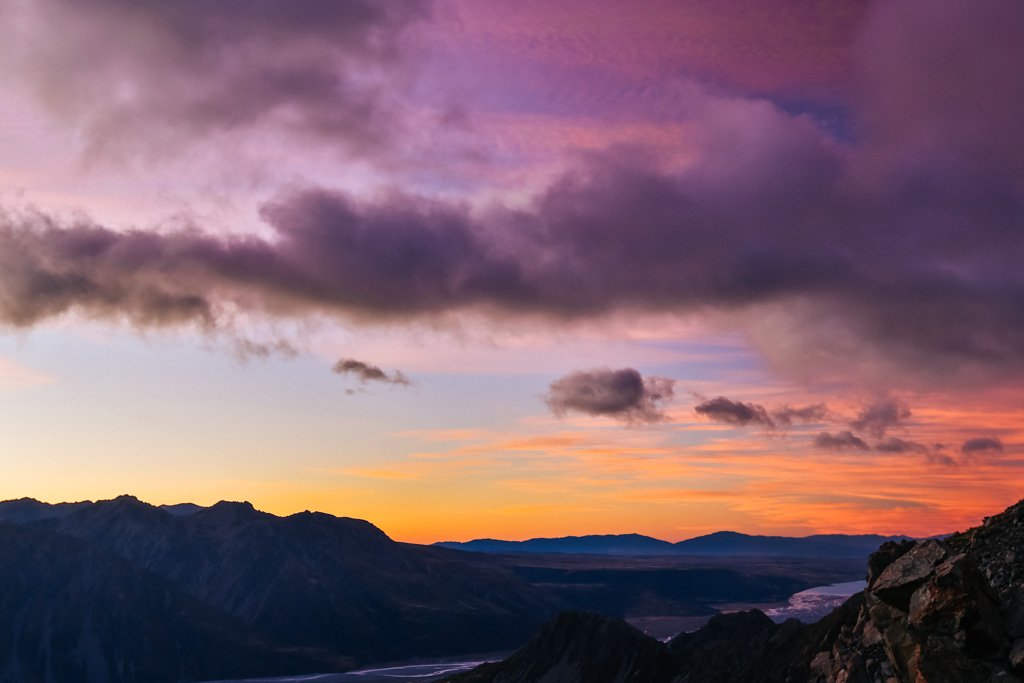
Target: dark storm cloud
840 441
895 253
981 445
880 416
150 72
622 394
722 409
367 372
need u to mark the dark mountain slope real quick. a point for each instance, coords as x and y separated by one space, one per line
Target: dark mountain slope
70 613
314 580
580 646
935 611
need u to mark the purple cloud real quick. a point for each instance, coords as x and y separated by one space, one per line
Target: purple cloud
367 372
896 445
789 415
840 441
981 444
181 71
619 394
722 409
895 252
880 416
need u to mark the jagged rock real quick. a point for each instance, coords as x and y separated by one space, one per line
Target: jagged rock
725 648
898 581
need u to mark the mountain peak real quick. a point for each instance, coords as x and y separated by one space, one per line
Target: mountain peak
230 510
233 505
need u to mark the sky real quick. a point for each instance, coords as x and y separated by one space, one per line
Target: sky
468 268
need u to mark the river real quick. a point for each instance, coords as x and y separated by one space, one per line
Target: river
808 606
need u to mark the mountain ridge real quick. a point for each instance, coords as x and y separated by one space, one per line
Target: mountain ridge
717 543
305 593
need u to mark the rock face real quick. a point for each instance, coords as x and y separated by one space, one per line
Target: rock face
934 611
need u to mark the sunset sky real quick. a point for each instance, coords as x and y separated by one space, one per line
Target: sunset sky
474 268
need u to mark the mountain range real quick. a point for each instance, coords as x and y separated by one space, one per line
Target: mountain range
122 591
934 611
723 543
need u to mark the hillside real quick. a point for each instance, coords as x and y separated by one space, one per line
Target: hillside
329 592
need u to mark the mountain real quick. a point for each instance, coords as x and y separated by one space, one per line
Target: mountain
144 589
182 509
934 611
728 543
580 646
31 510
820 545
612 544
71 613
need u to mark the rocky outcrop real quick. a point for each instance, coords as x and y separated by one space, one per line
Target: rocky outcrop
934 611
929 615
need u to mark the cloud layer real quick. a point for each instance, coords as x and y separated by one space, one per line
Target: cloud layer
181 71
891 255
622 394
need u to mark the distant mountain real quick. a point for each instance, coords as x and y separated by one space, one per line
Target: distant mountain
31 510
721 543
821 545
120 590
611 544
182 509
942 611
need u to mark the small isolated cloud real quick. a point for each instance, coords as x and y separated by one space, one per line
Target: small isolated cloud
981 445
366 372
788 415
722 409
879 417
841 441
937 456
894 445
622 394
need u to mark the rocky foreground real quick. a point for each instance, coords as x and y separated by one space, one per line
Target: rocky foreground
934 611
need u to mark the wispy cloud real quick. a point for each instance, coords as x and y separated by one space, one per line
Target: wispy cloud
367 372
